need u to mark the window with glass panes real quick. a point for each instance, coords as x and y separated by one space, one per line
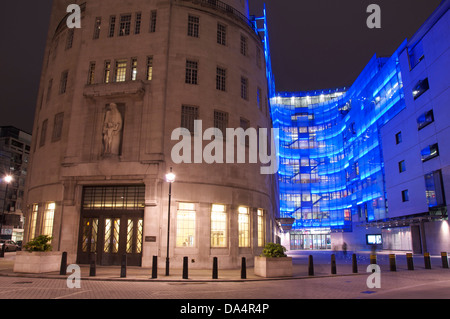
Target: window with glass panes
219 237
261 228
244 227
121 71
49 216
185 236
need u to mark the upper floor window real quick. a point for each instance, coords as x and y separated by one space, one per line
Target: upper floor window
429 152
121 71
193 26
125 25
63 82
244 45
112 26
188 116
137 25
191 72
153 16
420 88
221 34
416 54
405 195
221 77
398 138
425 119
97 26
244 88
401 166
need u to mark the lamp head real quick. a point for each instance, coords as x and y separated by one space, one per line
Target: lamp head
8 179
170 177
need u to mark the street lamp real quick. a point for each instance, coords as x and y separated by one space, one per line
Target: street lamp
7 179
170 178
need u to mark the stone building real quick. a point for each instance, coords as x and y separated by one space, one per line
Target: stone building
111 94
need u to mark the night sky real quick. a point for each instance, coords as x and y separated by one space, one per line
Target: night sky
315 44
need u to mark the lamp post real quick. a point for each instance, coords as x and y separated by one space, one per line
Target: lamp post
170 178
7 179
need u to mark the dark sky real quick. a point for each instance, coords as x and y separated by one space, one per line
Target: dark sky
315 44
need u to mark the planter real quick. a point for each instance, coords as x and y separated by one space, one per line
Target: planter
37 262
273 267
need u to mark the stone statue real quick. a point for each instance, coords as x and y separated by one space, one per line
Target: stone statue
112 130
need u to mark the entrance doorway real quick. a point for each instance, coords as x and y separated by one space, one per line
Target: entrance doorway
111 225
310 241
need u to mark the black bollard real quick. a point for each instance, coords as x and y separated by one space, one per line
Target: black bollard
444 260
63 268
354 264
410 261
392 263
2 251
92 268
310 266
123 268
215 272
155 267
373 259
427 260
333 264
244 269
185 268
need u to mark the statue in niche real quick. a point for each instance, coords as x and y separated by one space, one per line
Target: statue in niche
112 130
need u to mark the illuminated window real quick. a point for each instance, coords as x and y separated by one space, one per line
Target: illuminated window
420 88
33 221
193 26
112 230
261 228
49 216
219 237
133 69
434 189
149 68
416 54
121 71
429 152
107 72
425 119
91 76
244 227
185 225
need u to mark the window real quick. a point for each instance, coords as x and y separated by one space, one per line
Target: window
405 195
49 215
415 54
243 45
191 72
57 127
121 71
112 26
221 121
91 76
193 26
69 41
149 68
221 76
245 124
97 27
113 198
261 229
219 228
425 119
133 69
429 152
244 88
137 25
63 82
49 89
125 25
401 166
420 88
43 133
188 115
153 16
434 189
107 72
221 34
33 221
398 138
244 227
185 225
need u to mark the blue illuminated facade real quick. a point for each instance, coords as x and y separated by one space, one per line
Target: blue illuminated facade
331 166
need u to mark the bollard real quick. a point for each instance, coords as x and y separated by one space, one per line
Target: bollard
392 262
92 268
410 261
310 266
244 269
123 268
63 268
155 267
373 259
2 251
444 260
185 268
215 272
354 264
427 260
333 264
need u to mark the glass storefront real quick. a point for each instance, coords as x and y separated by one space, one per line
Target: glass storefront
310 241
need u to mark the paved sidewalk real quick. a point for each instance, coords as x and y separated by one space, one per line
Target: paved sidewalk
322 268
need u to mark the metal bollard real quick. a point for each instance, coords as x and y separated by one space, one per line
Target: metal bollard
373 259
354 264
244 269
63 268
427 260
155 267
444 260
410 261
392 262
2 251
185 268
310 266
333 264
123 267
92 268
215 272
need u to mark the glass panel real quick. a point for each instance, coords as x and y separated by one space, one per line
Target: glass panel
185 226
130 236
218 226
139 236
94 233
108 229
244 227
115 239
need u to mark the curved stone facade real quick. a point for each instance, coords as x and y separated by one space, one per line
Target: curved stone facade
112 93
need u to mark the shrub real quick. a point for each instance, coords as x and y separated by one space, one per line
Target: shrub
272 250
40 243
